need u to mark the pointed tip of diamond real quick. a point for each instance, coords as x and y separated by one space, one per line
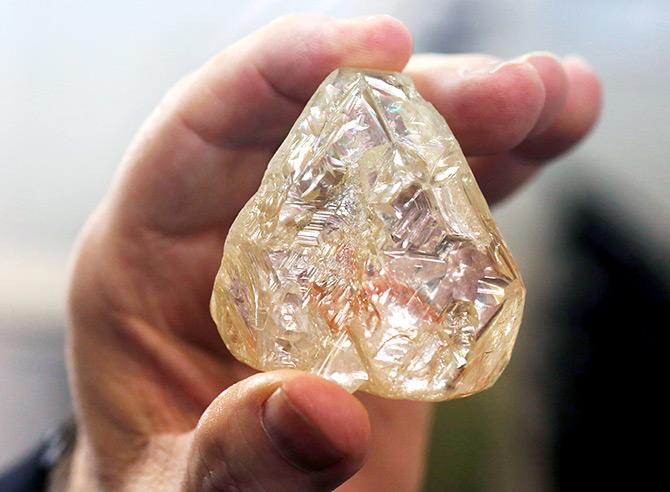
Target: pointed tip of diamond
368 255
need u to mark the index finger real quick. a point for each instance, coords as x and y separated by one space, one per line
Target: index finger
201 155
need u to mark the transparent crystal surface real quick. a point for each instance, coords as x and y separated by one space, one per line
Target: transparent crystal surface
368 255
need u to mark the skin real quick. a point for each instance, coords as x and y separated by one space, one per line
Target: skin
160 403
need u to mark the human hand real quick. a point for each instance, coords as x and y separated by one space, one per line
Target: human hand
160 403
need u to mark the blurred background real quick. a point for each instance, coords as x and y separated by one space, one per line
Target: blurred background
579 403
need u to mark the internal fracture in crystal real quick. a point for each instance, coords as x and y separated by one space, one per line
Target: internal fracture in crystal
368 255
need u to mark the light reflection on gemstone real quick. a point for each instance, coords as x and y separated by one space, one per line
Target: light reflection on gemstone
368 255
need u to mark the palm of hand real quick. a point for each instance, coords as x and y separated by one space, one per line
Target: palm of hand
146 359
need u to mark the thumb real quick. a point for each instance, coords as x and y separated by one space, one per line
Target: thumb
279 431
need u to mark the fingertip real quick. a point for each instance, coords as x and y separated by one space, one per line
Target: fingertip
555 82
578 115
493 112
575 60
386 36
280 430
585 92
300 50
339 415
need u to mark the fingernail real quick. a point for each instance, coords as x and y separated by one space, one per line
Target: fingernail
577 59
494 67
537 54
295 437
365 18
518 63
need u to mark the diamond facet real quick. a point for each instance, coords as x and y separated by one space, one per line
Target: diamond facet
368 255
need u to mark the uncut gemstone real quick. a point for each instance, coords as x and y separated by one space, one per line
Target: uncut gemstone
368 256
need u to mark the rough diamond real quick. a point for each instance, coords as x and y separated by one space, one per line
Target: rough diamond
368 255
